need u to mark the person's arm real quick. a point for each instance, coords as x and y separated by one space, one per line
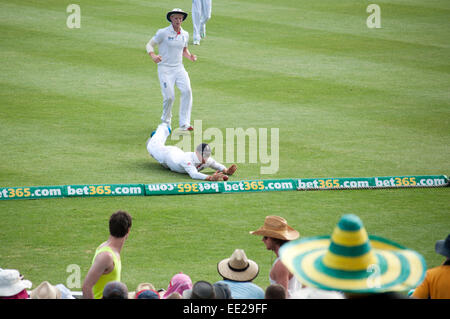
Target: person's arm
215 165
193 172
102 263
150 47
423 290
189 55
281 275
220 167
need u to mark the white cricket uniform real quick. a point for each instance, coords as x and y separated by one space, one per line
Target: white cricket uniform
176 159
171 72
201 13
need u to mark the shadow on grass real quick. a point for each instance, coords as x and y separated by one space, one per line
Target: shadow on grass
152 170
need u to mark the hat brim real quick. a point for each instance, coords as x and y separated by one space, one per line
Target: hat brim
289 234
247 275
397 268
185 14
16 288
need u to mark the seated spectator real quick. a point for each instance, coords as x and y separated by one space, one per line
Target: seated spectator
179 283
12 285
352 262
222 290
148 294
174 295
314 293
238 272
201 290
437 280
65 292
46 291
275 291
276 232
115 290
141 287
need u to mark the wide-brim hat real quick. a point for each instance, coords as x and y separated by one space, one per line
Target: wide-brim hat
238 267
442 247
46 291
176 10
352 261
276 227
11 282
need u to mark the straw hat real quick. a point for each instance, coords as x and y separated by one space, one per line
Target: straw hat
11 282
276 227
174 11
238 267
45 291
352 261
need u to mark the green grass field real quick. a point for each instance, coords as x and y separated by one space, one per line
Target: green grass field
77 106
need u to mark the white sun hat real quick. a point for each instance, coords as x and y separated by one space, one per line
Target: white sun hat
11 282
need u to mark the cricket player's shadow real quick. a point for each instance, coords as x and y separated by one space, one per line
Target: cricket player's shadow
150 167
154 169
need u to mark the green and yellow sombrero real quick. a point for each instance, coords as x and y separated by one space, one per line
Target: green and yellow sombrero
352 261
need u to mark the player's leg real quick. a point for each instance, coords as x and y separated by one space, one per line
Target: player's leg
196 20
184 85
167 82
156 143
206 15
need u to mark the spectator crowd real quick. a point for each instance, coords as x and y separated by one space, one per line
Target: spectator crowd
349 263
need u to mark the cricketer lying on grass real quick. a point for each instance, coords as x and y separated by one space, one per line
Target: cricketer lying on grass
191 163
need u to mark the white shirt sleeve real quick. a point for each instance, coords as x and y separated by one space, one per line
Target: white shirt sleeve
156 40
150 47
159 36
193 172
214 165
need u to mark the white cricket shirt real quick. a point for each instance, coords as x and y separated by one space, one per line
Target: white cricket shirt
188 162
171 45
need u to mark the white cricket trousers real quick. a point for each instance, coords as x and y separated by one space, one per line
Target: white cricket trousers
168 78
201 13
156 144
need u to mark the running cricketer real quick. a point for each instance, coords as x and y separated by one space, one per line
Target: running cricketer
172 42
179 161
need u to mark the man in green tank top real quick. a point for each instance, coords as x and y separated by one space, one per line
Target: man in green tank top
106 265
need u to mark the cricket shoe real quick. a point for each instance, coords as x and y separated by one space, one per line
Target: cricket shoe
187 128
